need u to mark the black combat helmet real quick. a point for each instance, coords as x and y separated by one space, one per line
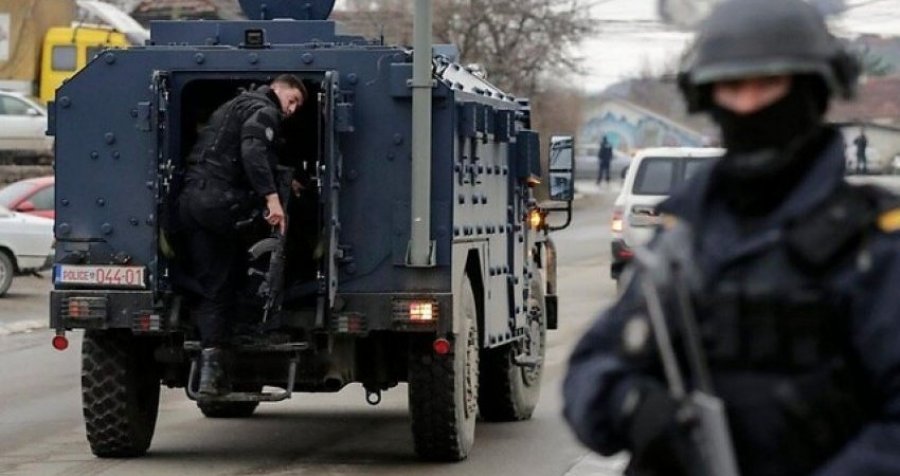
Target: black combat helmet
747 38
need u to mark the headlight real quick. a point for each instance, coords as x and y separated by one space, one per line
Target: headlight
536 219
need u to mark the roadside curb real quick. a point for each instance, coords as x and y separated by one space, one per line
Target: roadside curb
593 464
22 327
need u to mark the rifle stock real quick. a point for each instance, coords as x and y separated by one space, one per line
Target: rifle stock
274 281
707 425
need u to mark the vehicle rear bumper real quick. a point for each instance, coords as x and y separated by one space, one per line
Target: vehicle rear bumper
621 256
28 264
385 312
106 309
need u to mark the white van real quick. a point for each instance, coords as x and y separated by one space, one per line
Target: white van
652 176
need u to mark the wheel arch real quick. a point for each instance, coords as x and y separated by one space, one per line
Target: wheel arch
476 279
12 257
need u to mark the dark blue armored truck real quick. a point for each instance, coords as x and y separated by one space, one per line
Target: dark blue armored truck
424 257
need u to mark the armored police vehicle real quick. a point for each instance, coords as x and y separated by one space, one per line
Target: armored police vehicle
423 256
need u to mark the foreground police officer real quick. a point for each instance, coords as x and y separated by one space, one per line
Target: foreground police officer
231 171
793 277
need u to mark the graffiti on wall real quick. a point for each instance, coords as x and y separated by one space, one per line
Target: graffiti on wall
629 128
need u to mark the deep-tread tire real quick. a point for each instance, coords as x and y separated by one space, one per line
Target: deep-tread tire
229 409
510 392
120 393
6 272
443 390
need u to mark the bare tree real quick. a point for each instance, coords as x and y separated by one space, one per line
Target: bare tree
391 19
517 42
556 110
524 47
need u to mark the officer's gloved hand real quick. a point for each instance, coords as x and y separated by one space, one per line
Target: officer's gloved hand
659 444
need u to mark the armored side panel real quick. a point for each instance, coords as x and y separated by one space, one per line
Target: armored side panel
490 203
108 158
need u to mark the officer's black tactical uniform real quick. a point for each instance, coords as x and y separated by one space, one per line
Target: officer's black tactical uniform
794 279
604 156
230 170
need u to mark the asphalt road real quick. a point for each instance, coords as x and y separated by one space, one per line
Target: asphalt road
41 429
25 305
42 433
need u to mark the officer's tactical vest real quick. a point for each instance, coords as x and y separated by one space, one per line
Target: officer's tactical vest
771 315
216 156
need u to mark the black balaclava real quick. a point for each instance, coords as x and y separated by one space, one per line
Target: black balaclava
769 150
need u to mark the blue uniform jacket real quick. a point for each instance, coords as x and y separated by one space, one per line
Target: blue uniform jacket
599 377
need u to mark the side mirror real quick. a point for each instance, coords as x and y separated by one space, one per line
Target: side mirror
33 112
562 177
562 169
25 207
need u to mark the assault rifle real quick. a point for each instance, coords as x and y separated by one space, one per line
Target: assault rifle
702 413
272 287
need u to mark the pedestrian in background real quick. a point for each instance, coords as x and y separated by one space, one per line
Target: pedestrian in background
862 143
604 155
791 271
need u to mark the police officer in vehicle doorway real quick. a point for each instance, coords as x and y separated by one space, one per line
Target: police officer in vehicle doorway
231 171
791 271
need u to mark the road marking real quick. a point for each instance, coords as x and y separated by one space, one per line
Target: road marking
20 327
593 464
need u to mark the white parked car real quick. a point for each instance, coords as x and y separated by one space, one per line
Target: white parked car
652 176
26 245
23 125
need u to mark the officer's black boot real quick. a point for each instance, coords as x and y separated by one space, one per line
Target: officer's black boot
213 378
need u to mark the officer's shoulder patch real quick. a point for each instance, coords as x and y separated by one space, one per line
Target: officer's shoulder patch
267 116
889 220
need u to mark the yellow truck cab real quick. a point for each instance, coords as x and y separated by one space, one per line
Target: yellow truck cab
67 50
45 42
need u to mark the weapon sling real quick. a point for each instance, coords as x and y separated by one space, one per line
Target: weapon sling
708 430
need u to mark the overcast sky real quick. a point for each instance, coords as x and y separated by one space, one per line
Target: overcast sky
631 40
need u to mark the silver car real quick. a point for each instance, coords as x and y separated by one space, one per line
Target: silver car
653 174
23 125
26 245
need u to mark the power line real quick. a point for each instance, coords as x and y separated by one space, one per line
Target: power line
864 3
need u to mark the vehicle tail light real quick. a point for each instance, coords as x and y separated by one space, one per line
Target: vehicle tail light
441 346
617 225
60 342
83 308
421 311
350 323
625 253
146 322
416 310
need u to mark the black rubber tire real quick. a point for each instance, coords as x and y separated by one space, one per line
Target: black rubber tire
120 393
230 409
7 270
443 390
510 392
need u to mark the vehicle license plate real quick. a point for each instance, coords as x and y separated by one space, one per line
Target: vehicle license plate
104 276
